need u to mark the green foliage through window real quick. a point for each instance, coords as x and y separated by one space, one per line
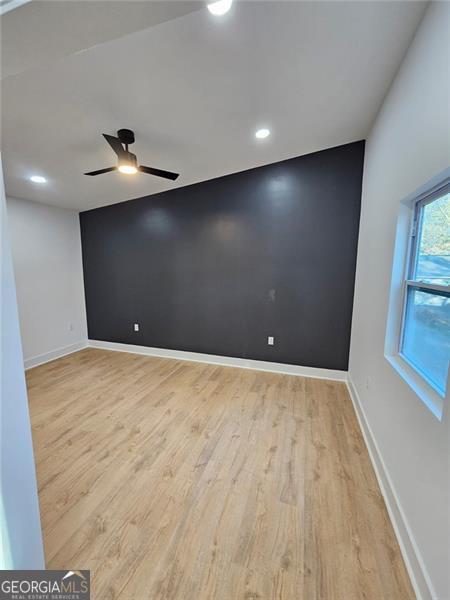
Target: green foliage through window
435 238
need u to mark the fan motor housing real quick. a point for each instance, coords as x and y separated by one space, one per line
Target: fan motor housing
126 136
129 159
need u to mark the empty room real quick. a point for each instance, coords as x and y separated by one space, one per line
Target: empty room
225 300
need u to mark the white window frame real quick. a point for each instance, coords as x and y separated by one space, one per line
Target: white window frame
405 258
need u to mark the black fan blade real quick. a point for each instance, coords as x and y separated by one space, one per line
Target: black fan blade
108 170
158 172
115 144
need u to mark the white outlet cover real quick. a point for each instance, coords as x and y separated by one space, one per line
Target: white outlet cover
136 326
270 340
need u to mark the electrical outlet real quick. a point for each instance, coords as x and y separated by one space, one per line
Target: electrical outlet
71 327
270 340
136 326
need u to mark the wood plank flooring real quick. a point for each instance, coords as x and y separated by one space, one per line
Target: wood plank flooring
187 481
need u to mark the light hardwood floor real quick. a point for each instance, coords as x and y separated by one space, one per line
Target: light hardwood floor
187 481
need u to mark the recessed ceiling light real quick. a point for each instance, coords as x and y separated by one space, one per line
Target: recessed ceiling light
38 179
220 7
262 133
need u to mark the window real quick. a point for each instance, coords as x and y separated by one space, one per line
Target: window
425 331
417 343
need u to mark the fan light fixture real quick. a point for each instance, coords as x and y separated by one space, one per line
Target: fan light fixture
127 169
220 7
127 163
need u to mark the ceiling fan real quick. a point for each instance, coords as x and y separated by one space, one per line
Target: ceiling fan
127 161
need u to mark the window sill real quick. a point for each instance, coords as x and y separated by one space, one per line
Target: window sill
432 400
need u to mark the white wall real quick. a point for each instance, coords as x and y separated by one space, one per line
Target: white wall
409 144
20 529
46 250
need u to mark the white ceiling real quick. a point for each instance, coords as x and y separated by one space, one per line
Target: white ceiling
49 29
193 87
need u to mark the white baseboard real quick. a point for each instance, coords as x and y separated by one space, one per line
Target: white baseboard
226 361
415 566
40 359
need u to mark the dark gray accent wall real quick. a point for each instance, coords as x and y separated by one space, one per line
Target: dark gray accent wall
219 266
